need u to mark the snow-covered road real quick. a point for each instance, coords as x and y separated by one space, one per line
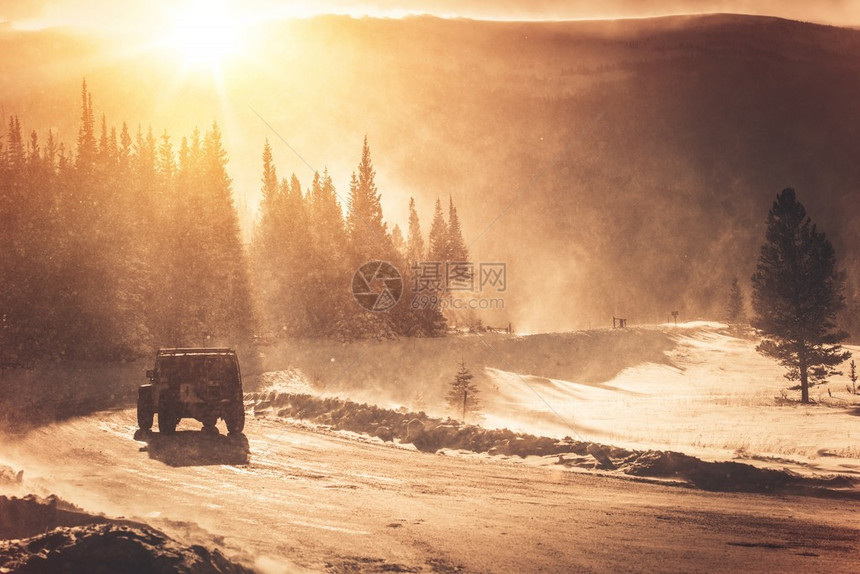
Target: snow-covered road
326 502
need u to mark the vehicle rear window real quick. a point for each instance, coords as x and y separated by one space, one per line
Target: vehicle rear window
199 367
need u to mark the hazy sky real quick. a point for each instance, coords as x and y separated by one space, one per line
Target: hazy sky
137 13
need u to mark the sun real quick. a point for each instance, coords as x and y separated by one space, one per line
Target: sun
204 33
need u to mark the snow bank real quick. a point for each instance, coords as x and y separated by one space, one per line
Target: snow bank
46 535
430 434
426 433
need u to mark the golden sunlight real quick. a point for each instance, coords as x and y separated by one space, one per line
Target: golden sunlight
205 33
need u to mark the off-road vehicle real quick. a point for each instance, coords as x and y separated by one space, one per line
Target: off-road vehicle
203 384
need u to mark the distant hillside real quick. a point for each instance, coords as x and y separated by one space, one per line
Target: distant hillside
641 155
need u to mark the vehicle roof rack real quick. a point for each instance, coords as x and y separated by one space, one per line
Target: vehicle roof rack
196 351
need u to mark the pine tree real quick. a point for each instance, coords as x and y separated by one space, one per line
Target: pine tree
270 175
208 278
16 270
34 158
124 151
368 240
426 320
49 157
735 303
329 304
15 153
457 250
459 274
397 240
462 396
63 160
44 236
299 256
414 240
300 260
86 135
328 218
105 157
184 235
438 238
429 319
149 235
166 161
797 292
229 309
852 376
113 145
265 253
121 214
368 234
92 264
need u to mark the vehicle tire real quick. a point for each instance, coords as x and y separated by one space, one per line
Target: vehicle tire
235 417
145 408
167 422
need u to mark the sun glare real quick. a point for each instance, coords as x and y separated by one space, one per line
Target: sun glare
205 33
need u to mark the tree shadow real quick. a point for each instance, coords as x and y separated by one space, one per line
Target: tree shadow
196 448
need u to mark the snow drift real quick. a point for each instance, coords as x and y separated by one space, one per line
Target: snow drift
47 535
432 434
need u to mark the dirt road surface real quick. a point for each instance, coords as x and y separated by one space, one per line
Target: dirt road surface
318 501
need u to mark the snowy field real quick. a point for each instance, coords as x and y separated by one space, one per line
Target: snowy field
716 398
693 388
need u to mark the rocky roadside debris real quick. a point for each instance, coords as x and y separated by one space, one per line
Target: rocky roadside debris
50 535
430 434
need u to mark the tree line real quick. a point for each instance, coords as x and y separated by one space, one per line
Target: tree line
305 251
119 245
126 242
